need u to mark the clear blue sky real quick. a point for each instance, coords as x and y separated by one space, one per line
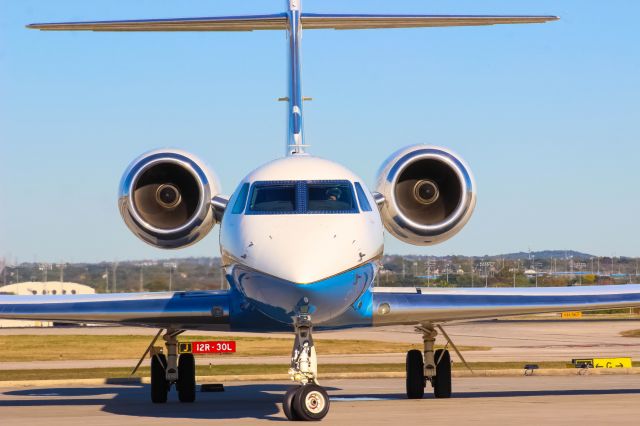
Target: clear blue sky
548 116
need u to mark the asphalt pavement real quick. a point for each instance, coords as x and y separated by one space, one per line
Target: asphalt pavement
566 400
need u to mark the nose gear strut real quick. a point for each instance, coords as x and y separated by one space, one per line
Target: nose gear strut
304 362
308 400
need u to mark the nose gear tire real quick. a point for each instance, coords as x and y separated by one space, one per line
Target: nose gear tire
287 404
311 402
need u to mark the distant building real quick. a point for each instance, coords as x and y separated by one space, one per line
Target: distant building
32 288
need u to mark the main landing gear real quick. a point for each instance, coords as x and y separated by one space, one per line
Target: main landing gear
167 370
308 400
432 366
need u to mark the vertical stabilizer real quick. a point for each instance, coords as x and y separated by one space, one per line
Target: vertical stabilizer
295 134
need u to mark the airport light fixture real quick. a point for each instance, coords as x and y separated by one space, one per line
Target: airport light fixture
486 266
61 267
514 270
431 263
580 266
142 265
447 266
44 267
115 281
172 266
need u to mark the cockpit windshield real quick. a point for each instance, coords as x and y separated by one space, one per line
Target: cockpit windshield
302 197
329 197
273 198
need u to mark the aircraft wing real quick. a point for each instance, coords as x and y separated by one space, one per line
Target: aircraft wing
401 305
280 22
179 310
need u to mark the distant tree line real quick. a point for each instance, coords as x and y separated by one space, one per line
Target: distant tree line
519 269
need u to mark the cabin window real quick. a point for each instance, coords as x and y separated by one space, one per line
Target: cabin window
273 198
238 206
362 198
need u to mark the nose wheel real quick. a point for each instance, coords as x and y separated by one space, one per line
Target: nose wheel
311 402
308 403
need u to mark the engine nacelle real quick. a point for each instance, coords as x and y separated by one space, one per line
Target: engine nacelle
429 194
165 198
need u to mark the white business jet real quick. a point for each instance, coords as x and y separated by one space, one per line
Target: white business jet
301 237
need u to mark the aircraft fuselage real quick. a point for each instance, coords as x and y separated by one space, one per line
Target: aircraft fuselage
301 235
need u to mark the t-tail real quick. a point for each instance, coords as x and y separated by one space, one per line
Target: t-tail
294 21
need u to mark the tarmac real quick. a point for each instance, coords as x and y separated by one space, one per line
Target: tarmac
565 400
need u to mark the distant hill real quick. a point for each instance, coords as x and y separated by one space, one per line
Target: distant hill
545 254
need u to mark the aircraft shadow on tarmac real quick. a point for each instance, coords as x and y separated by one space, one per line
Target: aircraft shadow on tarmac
260 401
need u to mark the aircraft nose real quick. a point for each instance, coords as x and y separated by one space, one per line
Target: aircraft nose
311 252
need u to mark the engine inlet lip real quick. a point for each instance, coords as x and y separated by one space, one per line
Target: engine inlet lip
465 180
419 198
180 160
175 203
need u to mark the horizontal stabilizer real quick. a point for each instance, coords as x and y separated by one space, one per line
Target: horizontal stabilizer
279 22
363 22
224 23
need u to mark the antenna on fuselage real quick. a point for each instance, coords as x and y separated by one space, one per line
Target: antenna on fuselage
293 20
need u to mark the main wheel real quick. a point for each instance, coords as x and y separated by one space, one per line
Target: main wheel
415 374
287 404
311 402
159 383
186 384
442 380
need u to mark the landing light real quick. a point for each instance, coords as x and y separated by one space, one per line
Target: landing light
384 309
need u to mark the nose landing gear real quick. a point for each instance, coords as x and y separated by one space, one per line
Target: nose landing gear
308 400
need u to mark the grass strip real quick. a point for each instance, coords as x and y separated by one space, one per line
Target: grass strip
95 347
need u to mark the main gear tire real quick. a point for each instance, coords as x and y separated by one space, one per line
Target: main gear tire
415 374
186 385
159 382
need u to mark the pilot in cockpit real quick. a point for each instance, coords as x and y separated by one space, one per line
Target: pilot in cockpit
333 194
